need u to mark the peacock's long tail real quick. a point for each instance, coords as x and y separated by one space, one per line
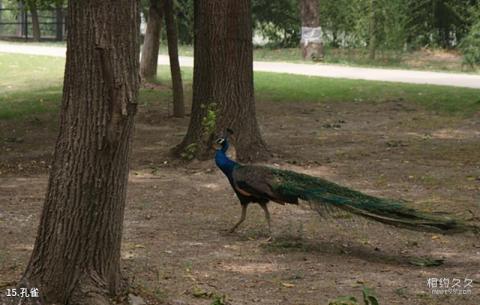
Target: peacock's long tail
324 194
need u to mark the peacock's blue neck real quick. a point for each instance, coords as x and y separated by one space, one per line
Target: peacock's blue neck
223 162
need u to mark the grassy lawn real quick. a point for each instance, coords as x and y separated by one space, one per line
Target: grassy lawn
32 84
284 87
429 60
29 84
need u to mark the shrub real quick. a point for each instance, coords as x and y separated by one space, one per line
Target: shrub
470 46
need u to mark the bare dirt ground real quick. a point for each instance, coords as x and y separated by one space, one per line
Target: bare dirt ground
176 249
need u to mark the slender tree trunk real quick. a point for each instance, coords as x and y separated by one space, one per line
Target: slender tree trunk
223 77
335 43
178 100
372 44
59 22
32 6
151 44
312 47
1 13
76 257
20 19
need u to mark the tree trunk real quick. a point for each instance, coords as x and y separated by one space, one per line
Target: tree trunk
312 46
178 101
335 43
20 19
223 79
372 44
32 6
59 22
76 257
151 44
1 13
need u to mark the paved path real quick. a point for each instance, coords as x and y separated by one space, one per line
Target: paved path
323 70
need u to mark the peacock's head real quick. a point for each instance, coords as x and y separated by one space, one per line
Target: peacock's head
222 142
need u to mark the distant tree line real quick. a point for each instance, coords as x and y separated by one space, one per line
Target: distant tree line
396 24
401 25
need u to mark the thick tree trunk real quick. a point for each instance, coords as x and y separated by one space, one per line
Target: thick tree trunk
312 47
223 75
35 22
151 44
178 101
76 257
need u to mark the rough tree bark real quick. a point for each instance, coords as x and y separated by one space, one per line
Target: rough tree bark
223 74
171 24
309 15
76 257
151 44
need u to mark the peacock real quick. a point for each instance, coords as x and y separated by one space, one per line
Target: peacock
262 184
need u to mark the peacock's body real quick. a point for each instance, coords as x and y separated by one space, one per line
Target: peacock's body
261 184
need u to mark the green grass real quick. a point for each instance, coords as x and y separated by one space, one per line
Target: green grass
29 73
284 88
29 84
430 60
32 84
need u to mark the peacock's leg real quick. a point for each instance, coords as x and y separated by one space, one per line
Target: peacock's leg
242 218
267 217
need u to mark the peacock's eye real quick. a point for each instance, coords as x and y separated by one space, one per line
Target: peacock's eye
220 140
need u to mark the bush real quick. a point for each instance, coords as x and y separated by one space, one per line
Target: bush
277 21
470 46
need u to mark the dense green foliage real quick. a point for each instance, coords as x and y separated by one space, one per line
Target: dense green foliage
185 21
395 24
277 21
438 23
470 46
398 25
